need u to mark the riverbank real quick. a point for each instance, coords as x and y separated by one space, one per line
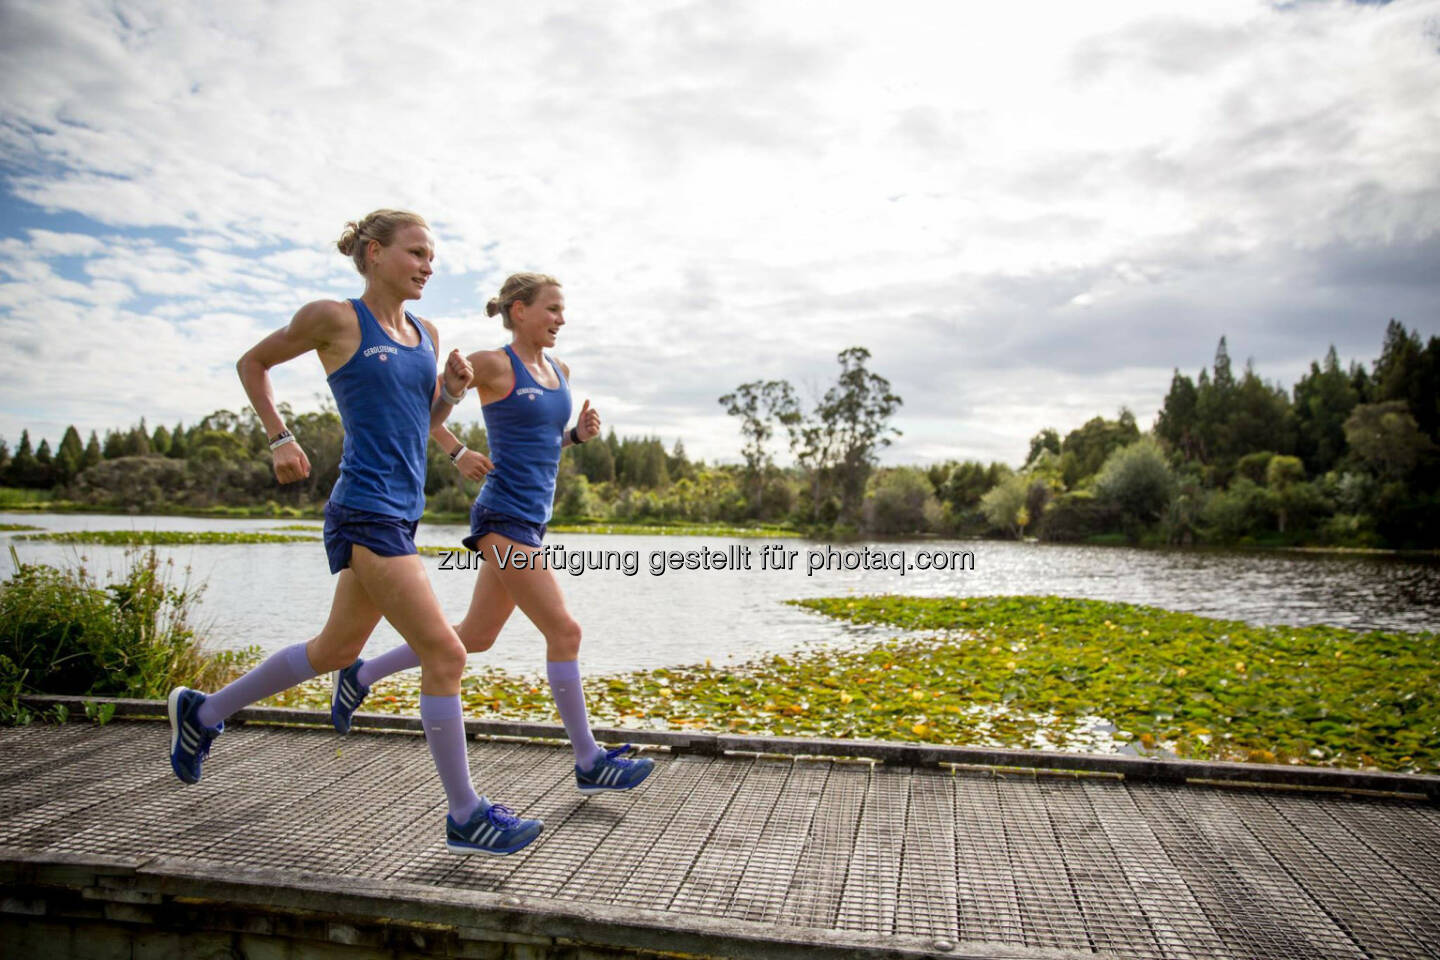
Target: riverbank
1028 673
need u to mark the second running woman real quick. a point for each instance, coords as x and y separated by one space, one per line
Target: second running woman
526 405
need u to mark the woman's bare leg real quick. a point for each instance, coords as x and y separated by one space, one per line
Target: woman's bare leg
490 608
536 592
401 591
352 619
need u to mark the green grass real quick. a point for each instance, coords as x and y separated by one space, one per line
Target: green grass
163 538
11 527
1032 672
18 498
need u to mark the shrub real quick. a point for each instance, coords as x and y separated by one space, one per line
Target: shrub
1242 511
1138 481
62 633
1076 516
901 500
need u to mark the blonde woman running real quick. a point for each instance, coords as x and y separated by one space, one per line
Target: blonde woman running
526 404
380 361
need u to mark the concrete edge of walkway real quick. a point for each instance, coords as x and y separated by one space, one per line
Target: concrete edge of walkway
1144 769
353 910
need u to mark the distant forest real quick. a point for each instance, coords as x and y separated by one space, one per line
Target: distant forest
1348 456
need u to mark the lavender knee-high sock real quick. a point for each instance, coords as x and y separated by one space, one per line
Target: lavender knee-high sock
280 671
445 733
392 661
570 701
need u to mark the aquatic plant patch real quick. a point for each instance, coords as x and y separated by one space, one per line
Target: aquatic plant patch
690 530
163 538
1032 672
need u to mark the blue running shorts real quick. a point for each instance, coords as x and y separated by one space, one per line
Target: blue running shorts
383 535
483 521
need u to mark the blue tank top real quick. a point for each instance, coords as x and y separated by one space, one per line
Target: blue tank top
384 392
526 431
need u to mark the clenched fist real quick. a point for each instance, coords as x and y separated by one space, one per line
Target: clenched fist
588 425
474 465
459 374
291 464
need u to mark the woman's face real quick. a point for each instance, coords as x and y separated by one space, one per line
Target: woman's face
540 321
404 265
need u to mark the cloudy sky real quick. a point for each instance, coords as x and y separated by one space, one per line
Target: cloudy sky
1029 213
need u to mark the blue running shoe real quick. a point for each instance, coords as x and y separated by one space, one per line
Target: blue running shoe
346 695
189 741
614 771
492 829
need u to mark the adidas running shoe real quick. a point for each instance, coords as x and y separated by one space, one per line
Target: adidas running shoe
346 695
493 829
614 771
189 740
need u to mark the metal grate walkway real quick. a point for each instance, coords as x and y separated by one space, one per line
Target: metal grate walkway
1079 863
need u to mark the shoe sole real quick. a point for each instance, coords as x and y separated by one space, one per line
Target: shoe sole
172 707
467 851
464 850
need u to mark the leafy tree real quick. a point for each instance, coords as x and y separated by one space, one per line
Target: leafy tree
676 463
114 445
92 453
1254 465
758 404
1386 438
1323 400
23 467
44 466
901 500
593 460
1003 505
70 456
1138 480
651 472
1283 472
1046 439
1286 477
160 441
1178 422
1086 449
856 414
1259 418
1409 372
178 446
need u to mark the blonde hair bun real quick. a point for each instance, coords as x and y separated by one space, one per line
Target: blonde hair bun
522 287
378 225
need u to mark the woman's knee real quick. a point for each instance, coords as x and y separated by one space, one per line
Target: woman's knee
327 653
563 642
444 659
477 639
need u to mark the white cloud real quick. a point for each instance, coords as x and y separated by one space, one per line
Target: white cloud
988 198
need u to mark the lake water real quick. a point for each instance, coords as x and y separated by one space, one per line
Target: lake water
275 595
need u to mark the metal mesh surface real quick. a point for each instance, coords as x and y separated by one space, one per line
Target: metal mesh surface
1090 864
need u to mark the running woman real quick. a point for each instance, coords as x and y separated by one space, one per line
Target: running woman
380 361
526 405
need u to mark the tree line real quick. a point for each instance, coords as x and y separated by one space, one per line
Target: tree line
1347 456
